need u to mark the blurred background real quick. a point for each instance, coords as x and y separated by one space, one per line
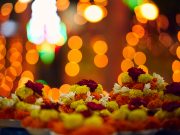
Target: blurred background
60 42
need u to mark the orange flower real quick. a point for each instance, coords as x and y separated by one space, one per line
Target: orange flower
80 96
96 95
30 99
139 86
57 127
66 109
20 114
121 100
157 103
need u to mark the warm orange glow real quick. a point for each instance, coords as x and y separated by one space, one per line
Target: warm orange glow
162 22
178 52
132 38
176 76
81 6
78 19
54 93
100 47
2 63
74 56
32 56
64 88
2 51
72 69
29 46
149 11
6 9
16 56
11 72
175 65
139 30
128 52
119 79
46 90
62 4
93 13
178 35
178 19
165 39
75 42
144 68
20 7
18 46
8 81
5 90
101 2
139 17
17 66
22 81
140 58
126 64
101 61
28 74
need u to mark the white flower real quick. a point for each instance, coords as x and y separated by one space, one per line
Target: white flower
104 99
69 95
14 97
34 107
116 88
124 89
39 101
160 79
89 97
147 86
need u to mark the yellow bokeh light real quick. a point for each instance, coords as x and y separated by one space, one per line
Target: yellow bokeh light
100 47
126 64
81 6
22 81
75 42
149 11
25 1
75 56
139 17
132 38
144 68
72 69
101 61
140 58
93 13
20 7
175 65
178 52
178 36
6 9
128 52
28 74
32 56
176 76
64 88
139 30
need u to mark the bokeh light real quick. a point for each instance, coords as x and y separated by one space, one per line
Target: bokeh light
18 67
62 4
72 69
176 76
178 52
178 36
133 3
126 64
149 11
25 1
101 61
162 22
128 52
75 42
28 74
6 9
144 68
165 39
93 13
8 28
11 72
176 65
64 88
132 38
32 56
20 7
139 30
75 56
100 47
140 58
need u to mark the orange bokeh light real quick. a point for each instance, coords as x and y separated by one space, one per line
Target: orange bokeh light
100 47
28 74
32 56
176 76
178 52
64 88
101 61
20 7
126 64
17 66
72 69
139 30
74 56
140 58
178 35
132 38
75 42
144 68
128 52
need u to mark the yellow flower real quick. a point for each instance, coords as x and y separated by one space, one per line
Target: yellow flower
75 104
93 121
112 106
135 93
